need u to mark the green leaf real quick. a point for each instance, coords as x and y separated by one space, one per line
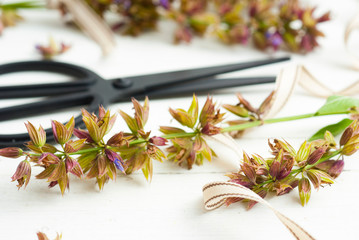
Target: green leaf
131 122
193 110
92 127
335 129
337 104
22 5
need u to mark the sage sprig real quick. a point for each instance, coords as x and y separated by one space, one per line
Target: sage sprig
94 154
316 163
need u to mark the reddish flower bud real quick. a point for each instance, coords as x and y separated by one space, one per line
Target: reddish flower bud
159 141
249 171
11 152
63 133
316 155
53 184
22 174
348 133
48 159
117 140
242 180
82 134
336 168
210 129
325 17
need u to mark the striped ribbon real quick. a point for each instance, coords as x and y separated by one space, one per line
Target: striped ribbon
216 193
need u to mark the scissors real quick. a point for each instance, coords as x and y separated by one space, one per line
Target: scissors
91 90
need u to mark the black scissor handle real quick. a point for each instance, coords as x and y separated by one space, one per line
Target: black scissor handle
49 66
83 77
70 94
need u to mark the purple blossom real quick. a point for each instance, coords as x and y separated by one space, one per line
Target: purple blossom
119 164
116 159
274 39
165 4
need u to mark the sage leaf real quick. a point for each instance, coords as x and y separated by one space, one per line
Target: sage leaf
337 104
335 129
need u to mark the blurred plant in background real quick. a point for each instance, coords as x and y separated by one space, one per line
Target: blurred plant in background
9 12
268 25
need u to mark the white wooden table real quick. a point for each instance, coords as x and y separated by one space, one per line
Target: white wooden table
171 206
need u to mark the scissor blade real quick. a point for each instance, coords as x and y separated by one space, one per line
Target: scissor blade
42 90
48 105
154 81
207 85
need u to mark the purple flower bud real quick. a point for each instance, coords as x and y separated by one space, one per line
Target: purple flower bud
111 155
274 39
158 141
116 159
348 133
82 134
244 182
336 168
22 174
274 170
165 4
284 173
11 152
307 43
249 171
53 184
48 158
325 17
53 125
70 163
316 155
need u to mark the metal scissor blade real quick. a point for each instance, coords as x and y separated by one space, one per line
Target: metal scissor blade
42 90
207 85
154 81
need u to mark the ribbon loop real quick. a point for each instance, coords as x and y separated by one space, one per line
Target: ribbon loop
215 195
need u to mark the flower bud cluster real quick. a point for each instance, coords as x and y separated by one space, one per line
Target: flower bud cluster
268 24
193 149
90 155
310 165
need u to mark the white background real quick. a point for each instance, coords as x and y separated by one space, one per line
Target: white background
171 206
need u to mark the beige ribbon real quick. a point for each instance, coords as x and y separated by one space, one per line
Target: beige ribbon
89 22
216 193
290 76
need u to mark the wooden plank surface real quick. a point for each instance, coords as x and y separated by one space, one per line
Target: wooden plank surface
170 207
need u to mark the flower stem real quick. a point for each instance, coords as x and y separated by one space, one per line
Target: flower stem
227 129
276 120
